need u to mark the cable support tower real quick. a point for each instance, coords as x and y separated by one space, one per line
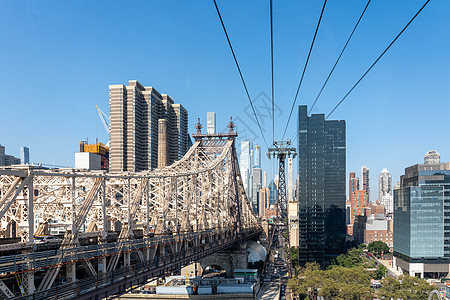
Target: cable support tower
282 150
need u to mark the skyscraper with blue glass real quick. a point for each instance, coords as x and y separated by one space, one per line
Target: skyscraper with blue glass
322 188
422 220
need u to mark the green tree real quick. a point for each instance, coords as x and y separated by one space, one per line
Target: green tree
337 282
352 259
380 272
407 287
377 247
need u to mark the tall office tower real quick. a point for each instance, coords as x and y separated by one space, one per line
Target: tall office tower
321 159
24 155
257 156
432 157
211 122
273 193
134 114
290 187
365 181
7 160
263 201
422 224
385 190
257 185
246 167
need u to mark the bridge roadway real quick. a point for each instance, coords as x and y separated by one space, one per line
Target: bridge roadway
117 281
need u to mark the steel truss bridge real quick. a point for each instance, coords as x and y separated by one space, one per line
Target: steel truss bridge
137 225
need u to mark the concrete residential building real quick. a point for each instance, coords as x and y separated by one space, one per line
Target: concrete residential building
24 155
421 221
322 186
7 160
365 181
135 111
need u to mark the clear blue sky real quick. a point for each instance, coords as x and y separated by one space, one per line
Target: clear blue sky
57 59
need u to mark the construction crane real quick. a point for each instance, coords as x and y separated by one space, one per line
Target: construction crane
105 121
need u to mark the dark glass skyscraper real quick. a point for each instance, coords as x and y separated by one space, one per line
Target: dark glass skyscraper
321 159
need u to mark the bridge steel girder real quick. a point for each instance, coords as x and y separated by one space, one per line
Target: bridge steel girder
201 192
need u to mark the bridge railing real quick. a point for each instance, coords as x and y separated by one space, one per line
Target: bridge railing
44 259
102 280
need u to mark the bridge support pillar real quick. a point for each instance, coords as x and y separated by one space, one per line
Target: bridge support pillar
71 272
228 260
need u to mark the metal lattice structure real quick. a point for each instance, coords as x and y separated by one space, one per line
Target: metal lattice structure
282 150
202 192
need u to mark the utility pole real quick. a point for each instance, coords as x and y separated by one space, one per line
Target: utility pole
282 150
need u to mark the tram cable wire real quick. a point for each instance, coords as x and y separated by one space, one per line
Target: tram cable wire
240 73
271 62
334 66
379 57
371 66
339 58
304 68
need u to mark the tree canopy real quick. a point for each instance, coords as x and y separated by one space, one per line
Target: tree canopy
378 247
406 287
334 283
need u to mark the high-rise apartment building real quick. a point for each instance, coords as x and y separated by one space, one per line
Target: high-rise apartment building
353 184
359 203
24 155
135 111
245 163
321 195
211 123
7 160
422 221
385 190
365 181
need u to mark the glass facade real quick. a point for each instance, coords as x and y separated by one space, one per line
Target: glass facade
322 195
422 214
